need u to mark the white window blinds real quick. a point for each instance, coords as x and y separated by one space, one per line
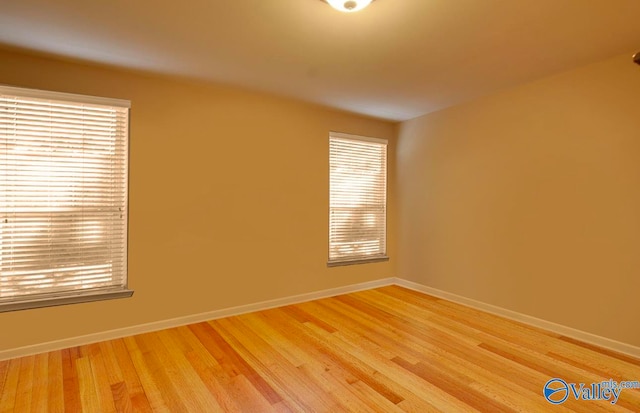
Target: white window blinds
358 198
63 197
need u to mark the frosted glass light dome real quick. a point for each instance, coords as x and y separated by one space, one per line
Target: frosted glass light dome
349 6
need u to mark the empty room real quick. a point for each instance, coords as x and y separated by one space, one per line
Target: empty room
320 206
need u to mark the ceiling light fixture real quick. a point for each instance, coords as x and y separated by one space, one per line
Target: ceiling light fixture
349 6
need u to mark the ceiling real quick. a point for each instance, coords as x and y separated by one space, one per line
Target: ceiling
395 60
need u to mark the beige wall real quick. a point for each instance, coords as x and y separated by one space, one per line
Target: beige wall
530 199
228 199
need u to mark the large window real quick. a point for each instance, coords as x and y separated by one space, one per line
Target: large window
63 198
357 199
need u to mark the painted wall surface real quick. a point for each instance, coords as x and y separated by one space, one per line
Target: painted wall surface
529 199
228 199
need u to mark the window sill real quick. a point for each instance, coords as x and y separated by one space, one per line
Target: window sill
357 261
50 301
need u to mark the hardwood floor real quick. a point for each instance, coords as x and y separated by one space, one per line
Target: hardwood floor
384 350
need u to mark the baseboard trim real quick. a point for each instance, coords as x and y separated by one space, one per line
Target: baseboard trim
523 318
279 302
190 319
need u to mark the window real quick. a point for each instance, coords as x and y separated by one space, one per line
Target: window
63 198
357 199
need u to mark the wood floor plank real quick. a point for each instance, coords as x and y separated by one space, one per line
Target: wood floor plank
551 369
631 399
413 390
452 385
160 372
312 366
388 349
202 357
272 336
359 329
248 397
135 391
599 350
102 380
240 364
262 358
384 338
575 362
121 398
305 317
353 365
147 379
4 371
40 383
55 387
110 361
209 373
70 384
454 315
192 389
436 346
333 378
25 385
373 401
8 395
87 388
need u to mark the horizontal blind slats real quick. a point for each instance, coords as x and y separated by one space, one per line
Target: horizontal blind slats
63 194
357 198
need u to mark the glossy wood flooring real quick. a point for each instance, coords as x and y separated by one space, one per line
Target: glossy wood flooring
383 350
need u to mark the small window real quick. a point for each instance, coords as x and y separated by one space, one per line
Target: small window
63 198
357 199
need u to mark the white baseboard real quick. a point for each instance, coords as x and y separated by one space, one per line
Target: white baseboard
279 302
190 319
526 319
